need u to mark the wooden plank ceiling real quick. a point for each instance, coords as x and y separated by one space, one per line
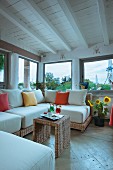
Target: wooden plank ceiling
42 26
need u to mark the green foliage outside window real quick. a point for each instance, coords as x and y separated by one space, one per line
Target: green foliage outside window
55 84
1 62
93 86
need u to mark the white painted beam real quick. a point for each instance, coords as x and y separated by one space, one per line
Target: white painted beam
7 14
39 14
102 16
66 7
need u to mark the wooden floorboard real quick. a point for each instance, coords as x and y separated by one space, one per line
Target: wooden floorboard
91 150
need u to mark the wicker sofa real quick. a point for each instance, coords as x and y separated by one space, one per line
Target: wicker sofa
21 118
77 108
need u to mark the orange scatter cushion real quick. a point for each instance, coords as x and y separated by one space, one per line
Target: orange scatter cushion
4 103
62 98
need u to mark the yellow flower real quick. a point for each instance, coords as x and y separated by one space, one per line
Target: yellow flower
107 99
97 101
90 103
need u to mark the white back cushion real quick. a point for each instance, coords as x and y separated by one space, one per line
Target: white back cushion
39 96
14 96
77 97
50 96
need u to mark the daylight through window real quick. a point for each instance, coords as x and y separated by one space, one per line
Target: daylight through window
99 74
1 68
27 74
58 76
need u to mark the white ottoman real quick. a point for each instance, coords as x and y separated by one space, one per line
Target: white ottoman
9 122
17 153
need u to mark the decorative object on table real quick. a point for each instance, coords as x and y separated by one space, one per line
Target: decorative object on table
100 109
58 109
51 109
51 116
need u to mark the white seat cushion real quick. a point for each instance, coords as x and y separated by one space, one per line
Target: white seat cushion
77 114
17 153
28 114
9 122
44 105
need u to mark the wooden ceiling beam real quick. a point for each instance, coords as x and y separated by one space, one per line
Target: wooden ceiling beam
39 14
7 14
12 48
66 7
102 16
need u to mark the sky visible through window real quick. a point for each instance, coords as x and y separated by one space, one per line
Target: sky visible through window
59 69
96 71
2 73
21 70
33 71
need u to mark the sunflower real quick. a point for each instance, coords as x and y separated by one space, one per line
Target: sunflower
90 103
97 101
107 99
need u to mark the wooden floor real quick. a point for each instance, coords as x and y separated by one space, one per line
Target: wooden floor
91 150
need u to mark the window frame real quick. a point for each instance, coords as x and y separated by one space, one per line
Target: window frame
28 59
55 63
91 59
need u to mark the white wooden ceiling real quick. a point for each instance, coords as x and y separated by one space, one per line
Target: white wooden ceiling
52 25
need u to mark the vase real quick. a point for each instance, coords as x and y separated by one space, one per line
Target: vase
99 121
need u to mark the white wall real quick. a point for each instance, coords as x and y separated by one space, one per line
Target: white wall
96 50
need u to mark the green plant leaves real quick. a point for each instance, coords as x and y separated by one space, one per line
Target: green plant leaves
1 62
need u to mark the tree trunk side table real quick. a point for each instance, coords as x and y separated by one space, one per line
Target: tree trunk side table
42 129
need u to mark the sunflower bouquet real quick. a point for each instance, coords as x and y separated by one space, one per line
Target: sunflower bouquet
100 107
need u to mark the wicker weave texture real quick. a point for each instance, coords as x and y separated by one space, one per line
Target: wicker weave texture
42 128
26 131
17 133
81 126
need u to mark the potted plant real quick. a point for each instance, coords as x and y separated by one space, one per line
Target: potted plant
100 110
41 86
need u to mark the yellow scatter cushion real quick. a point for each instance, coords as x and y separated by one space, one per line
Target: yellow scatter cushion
29 99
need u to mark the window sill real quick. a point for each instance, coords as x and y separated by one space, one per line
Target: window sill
101 92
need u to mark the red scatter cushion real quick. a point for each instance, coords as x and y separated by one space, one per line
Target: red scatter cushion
111 117
4 103
62 98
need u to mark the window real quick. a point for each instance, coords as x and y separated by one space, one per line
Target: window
2 67
21 72
99 74
33 74
27 74
58 75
